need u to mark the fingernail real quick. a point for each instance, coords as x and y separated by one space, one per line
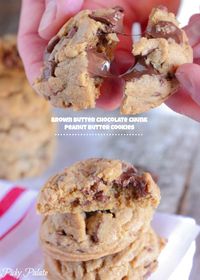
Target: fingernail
185 81
49 15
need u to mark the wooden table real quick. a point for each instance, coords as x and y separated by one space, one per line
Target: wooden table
170 148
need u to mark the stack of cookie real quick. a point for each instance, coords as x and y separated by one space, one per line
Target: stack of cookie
96 222
26 132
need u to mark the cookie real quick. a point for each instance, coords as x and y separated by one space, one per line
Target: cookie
26 132
158 54
97 184
78 58
138 261
95 208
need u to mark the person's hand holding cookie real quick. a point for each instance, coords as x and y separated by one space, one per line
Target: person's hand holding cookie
187 100
51 15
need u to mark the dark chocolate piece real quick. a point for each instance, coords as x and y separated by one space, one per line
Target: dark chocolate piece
11 59
48 70
166 30
99 196
72 32
133 182
98 64
56 39
52 43
139 69
114 21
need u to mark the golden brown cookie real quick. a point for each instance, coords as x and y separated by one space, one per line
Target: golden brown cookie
158 54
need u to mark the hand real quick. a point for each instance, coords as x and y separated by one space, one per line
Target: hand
187 100
40 20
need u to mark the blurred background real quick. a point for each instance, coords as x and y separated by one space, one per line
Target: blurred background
169 147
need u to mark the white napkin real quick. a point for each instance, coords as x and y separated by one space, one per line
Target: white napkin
175 261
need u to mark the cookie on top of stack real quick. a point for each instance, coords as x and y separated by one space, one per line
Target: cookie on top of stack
96 218
26 132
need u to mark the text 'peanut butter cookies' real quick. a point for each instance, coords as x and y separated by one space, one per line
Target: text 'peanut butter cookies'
95 208
137 261
158 54
78 58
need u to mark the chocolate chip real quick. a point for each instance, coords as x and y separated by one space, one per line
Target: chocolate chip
114 20
165 29
133 183
72 32
94 187
54 41
76 202
139 69
95 238
11 58
170 76
49 70
99 196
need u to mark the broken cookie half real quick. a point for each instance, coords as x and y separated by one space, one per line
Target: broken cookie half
78 58
158 54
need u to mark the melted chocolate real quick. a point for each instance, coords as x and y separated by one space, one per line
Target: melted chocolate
139 68
98 64
133 182
114 21
166 30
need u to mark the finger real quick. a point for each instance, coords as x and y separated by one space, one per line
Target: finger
30 45
196 51
183 104
56 13
188 75
192 30
111 94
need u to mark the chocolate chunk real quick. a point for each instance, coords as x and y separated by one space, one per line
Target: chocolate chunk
166 30
99 196
49 70
114 21
76 202
133 182
11 58
72 32
98 64
139 69
95 238
54 41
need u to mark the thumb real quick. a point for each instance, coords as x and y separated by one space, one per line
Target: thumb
188 75
56 13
